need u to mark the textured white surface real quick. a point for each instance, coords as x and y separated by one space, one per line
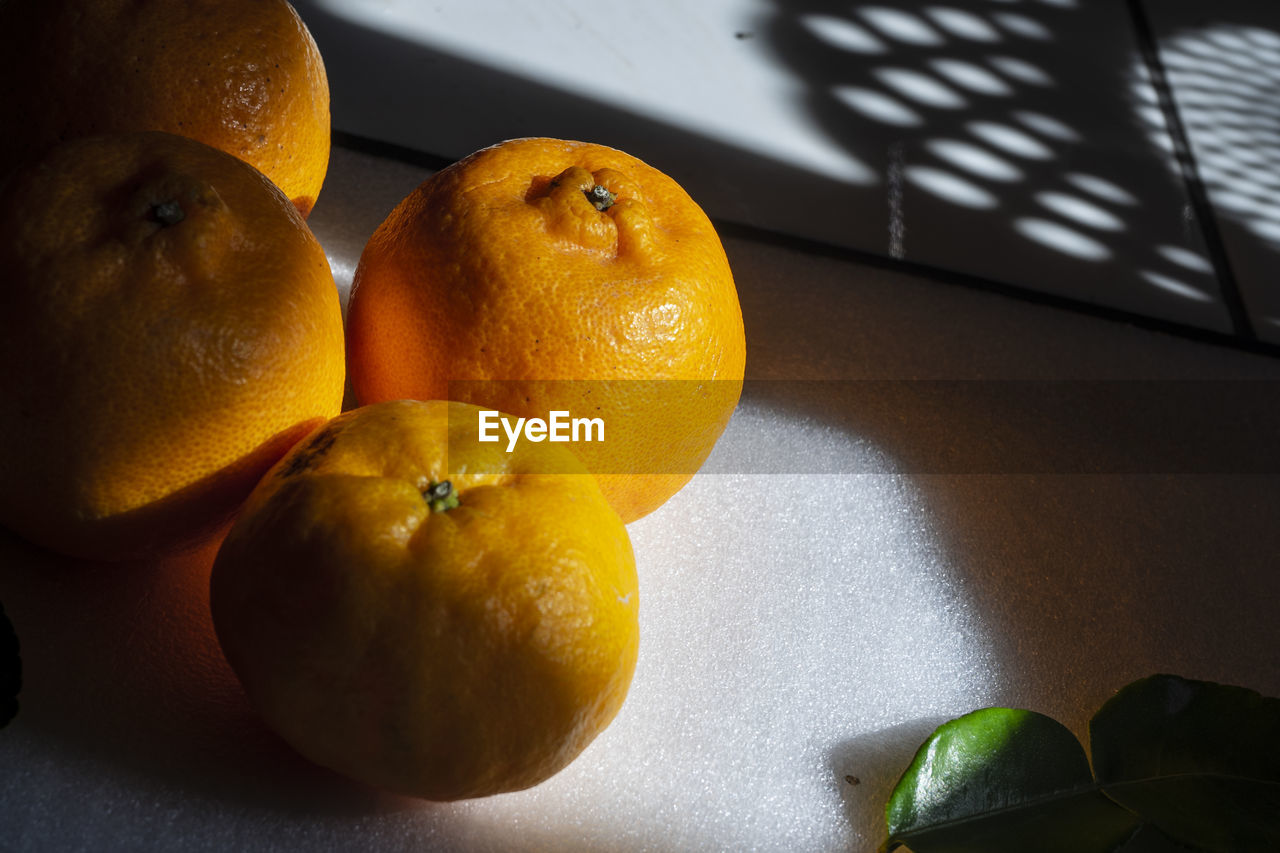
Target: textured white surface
796 629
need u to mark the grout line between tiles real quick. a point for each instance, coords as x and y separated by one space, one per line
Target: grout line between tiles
979 283
1204 211
389 150
415 157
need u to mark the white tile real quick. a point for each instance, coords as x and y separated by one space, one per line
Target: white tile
933 132
1223 64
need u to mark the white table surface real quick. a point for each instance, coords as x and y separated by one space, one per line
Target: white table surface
796 627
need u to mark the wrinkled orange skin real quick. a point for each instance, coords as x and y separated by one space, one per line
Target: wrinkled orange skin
244 76
499 268
438 654
151 372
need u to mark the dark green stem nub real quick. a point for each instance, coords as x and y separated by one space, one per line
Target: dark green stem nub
441 496
601 197
168 212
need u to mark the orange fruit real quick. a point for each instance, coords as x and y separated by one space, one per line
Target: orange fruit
241 75
541 275
168 328
424 613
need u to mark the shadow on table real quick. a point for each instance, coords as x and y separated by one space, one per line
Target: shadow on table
122 669
1098 536
121 666
867 767
1103 530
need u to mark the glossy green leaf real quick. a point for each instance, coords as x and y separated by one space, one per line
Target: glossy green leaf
1200 761
1181 767
998 780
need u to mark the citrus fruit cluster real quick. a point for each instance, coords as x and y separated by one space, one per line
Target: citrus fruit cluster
403 602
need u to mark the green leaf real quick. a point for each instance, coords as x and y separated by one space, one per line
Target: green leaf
1200 761
1181 767
1001 779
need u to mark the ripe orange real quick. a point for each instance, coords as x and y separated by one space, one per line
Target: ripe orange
421 627
503 268
241 75
168 328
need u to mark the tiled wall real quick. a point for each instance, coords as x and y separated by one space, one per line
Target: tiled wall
1026 143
